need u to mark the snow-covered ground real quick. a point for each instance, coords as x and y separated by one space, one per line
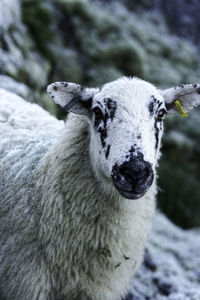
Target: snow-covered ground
171 268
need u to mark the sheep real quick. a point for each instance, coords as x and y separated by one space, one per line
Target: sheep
77 199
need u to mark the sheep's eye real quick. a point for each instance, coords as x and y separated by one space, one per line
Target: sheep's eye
160 115
98 113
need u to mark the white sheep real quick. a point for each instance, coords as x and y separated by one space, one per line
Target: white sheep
70 224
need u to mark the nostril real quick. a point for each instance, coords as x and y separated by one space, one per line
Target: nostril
137 174
127 173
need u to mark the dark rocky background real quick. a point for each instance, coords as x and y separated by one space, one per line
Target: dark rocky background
92 42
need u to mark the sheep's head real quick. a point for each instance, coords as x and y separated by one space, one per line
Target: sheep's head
126 121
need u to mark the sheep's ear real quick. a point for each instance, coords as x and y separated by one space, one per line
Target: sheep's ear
72 97
188 96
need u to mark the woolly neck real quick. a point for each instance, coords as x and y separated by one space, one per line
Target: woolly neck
75 209
66 181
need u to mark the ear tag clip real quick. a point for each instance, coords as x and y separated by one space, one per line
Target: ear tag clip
180 110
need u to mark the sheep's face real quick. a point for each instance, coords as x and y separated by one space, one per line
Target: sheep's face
126 128
126 125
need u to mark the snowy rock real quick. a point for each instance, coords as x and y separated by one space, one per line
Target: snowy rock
171 264
10 12
12 85
19 57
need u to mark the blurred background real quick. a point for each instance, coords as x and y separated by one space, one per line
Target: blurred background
92 42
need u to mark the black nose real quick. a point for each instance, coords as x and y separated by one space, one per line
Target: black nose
133 178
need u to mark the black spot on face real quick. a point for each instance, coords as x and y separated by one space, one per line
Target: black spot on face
151 108
111 106
105 119
103 136
65 84
98 116
154 105
103 130
108 151
156 133
140 156
158 104
195 85
101 122
132 149
55 88
154 98
100 103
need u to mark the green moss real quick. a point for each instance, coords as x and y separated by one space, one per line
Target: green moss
90 35
34 72
180 169
39 17
43 100
99 75
127 56
186 54
66 65
179 196
162 72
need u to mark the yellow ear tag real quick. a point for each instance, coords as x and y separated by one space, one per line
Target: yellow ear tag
180 110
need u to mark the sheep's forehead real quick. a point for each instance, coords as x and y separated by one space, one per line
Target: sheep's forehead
133 95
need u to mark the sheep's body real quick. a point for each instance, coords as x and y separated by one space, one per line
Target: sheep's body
24 141
61 236
66 231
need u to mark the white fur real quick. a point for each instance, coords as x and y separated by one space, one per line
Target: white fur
65 230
